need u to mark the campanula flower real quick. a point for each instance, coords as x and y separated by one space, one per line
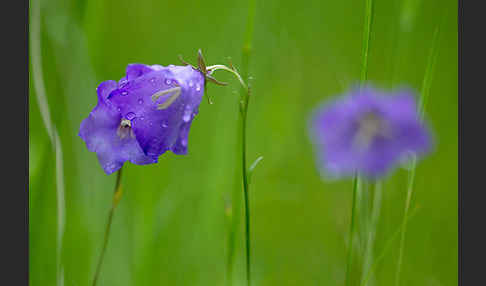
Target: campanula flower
368 131
146 113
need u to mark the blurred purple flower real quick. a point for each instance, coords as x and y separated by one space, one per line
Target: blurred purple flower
146 113
368 131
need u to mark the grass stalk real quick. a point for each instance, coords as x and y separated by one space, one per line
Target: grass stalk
424 95
386 249
40 91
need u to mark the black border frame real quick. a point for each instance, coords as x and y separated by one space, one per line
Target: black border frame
471 65
14 204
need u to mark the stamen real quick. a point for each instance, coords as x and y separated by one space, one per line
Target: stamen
125 123
125 129
170 100
369 127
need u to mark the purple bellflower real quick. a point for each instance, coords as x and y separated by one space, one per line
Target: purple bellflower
368 131
146 113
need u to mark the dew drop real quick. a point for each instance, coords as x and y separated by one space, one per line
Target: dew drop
152 81
198 88
164 124
184 142
124 93
168 81
119 109
187 114
130 115
140 101
191 84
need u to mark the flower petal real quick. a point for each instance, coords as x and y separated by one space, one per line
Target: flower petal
99 131
345 143
160 130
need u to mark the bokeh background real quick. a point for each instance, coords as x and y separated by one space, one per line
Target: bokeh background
171 227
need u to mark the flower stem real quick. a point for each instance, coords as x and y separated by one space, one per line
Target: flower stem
116 198
245 93
351 230
363 77
245 97
366 40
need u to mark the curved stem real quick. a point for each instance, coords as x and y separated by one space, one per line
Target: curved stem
40 92
234 72
116 199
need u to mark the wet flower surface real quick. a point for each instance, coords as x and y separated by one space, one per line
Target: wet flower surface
368 131
146 113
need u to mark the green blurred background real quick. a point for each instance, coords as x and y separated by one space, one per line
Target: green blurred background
171 227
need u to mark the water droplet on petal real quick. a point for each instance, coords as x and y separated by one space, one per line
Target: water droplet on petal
191 84
142 118
187 114
164 124
152 81
198 88
124 93
168 81
119 109
130 115
184 142
140 101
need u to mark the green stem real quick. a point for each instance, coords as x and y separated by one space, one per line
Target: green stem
244 100
116 199
351 230
366 40
245 97
363 77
